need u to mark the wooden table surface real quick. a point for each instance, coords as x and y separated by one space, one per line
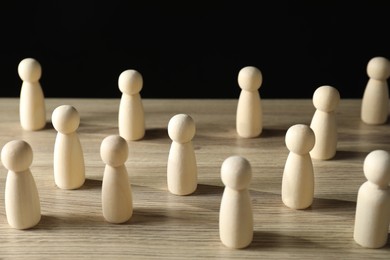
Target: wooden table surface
166 226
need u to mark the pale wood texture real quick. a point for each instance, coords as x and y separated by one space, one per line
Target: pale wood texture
235 214
249 114
32 108
22 204
166 226
68 156
182 172
298 174
324 123
131 115
372 216
375 101
117 199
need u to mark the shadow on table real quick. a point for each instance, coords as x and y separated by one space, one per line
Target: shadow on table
262 240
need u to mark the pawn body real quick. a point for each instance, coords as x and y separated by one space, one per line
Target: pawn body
131 119
375 101
235 215
69 168
324 122
372 217
249 113
298 174
182 172
117 201
32 108
22 203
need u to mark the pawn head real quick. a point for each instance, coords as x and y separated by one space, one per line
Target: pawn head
376 167
181 128
378 68
130 82
114 150
250 78
326 98
17 155
29 70
300 139
65 119
236 172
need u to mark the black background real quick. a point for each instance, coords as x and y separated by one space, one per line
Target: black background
188 50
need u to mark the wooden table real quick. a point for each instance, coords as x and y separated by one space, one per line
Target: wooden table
165 226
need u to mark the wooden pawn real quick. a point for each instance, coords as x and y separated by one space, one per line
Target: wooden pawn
324 122
182 172
131 118
22 203
69 167
32 108
372 217
117 202
375 101
298 174
249 114
235 214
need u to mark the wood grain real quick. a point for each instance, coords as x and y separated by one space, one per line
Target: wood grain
166 226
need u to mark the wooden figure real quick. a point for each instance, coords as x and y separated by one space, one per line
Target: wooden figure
375 101
324 123
22 203
249 117
69 168
117 202
182 172
131 119
372 217
298 174
32 109
235 215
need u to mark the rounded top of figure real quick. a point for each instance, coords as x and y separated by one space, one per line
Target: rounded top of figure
130 82
30 70
17 155
300 139
236 172
65 119
250 78
326 98
181 128
114 150
378 68
376 168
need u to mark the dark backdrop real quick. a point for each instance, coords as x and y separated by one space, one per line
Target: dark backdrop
187 50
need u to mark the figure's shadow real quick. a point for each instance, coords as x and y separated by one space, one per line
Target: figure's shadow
345 155
332 206
269 133
205 189
48 126
90 184
155 134
262 240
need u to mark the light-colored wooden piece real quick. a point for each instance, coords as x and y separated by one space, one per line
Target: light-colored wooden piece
32 108
131 118
372 216
22 204
165 226
375 101
249 114
182 172
324 122
69 168
235 214
117 201
298 174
